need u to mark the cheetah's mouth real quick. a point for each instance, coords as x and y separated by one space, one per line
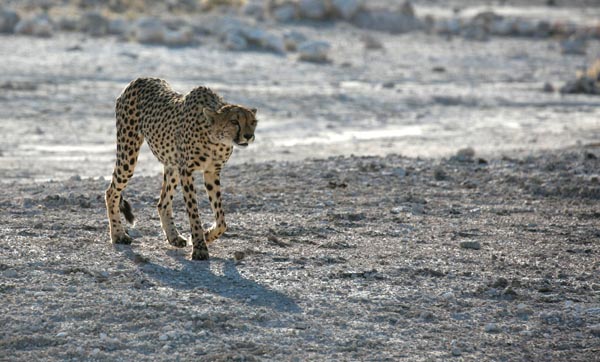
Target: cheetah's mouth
242 144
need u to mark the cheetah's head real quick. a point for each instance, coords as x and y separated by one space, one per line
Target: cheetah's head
233 124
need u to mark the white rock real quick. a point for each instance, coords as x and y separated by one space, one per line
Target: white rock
8 20
150 31
346 9
62 334
312 9
103 336
38 26
314 51
285 12
163 337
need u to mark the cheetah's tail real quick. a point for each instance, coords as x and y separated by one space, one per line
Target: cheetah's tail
127 211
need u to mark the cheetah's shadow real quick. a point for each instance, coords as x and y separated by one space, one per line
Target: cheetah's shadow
199 275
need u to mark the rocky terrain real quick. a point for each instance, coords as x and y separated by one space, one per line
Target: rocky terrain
424 185
348 258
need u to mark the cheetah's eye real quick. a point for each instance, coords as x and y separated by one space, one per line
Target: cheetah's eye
234 122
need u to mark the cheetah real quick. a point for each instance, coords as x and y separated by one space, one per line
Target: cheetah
186 133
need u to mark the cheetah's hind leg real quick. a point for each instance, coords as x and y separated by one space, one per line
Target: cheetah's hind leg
165 207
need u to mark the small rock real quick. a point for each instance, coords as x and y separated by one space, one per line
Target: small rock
456 352
573 45
188 324
163 337
346 9
524 27
314 51
509 293
388 85
118 27
285 12
492 328
239 255
94 24
595 330
62 334
263 39
234 41
254 8
149 31
447 296
523 310
439 174
38 26
75 178
475 32
500 282
292 39
312 9
502 26
10 273
426 315
465 154
450 26
134 233
386 20
474 245
370 42
172 334
182 37
8 20
103 336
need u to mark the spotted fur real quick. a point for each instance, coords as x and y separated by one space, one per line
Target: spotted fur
195 132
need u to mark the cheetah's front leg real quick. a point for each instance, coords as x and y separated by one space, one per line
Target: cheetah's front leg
212 184
199 249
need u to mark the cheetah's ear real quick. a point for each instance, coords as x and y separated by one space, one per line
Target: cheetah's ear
253 110
209 113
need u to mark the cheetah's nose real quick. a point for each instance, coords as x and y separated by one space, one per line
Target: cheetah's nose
249 137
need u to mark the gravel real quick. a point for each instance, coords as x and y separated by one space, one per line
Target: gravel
351 281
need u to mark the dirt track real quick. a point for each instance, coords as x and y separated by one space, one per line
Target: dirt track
341 259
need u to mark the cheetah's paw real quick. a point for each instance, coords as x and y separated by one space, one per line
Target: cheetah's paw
179 242
123 239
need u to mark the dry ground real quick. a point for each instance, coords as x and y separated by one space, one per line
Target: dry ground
348 258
